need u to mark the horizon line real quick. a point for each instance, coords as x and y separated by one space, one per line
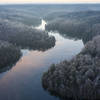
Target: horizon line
49 3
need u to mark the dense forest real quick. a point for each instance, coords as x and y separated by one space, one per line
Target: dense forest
17 31
79 78
80 25
9 54
24 36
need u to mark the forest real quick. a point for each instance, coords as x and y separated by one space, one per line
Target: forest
69 32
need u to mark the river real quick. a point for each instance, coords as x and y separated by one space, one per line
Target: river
23 80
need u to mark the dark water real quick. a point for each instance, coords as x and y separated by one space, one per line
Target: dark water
23 81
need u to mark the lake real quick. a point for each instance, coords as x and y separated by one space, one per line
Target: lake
23 80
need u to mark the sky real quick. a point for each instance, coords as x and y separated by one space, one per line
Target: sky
49 1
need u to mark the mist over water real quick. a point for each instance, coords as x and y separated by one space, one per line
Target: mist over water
23 81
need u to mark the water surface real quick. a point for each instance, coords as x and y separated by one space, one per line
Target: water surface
23 81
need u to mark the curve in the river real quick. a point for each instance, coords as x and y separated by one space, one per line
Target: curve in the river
23 81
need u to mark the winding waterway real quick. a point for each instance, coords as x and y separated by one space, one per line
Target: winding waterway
23 81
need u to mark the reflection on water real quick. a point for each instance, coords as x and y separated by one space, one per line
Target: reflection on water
23 81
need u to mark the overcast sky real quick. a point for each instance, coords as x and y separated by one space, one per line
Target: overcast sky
49 1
